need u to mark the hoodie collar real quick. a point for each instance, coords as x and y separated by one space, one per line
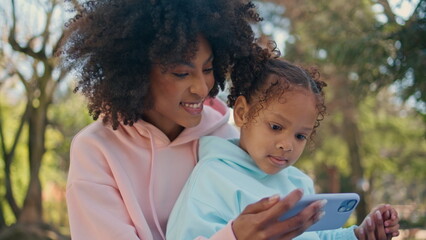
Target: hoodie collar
231 153
214 115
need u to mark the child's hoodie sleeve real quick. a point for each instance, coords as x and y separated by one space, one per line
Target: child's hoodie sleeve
340 233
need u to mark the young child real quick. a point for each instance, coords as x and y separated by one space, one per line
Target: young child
278 112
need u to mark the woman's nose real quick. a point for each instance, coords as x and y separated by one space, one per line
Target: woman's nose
200 85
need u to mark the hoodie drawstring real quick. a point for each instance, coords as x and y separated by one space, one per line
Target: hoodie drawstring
151 186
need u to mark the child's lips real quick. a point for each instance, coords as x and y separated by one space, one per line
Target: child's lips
281 161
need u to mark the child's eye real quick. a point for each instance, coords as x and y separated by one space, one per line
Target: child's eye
180 75
275 127
301 137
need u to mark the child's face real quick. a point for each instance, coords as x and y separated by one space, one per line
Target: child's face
179 92
276 137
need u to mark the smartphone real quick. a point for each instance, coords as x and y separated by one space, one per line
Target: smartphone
337 210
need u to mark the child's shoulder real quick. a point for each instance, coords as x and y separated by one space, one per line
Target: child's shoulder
217 147
204 140
297 173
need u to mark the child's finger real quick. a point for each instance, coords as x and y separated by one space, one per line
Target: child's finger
369 228
393 220
387 215
392 229
379 227
360 233
394 214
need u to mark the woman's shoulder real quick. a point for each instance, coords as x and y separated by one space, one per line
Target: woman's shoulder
93 131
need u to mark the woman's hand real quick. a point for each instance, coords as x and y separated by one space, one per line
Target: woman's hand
381 224
260 220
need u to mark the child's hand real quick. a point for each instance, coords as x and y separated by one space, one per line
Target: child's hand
391 221
381 224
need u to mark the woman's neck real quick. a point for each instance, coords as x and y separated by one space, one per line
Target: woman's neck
171 130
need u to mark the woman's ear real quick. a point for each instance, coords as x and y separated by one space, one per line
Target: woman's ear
240 111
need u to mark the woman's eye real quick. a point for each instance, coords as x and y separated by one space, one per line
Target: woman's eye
208 70
275 127
180 75
301 137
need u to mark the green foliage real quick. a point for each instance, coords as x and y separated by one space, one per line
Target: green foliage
67 116
356 54
410 58
394 139
10 113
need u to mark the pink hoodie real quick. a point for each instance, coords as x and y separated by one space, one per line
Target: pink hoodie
123 184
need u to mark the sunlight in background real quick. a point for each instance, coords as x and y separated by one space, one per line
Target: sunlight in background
403 8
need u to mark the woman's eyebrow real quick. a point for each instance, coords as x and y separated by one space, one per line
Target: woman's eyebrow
210 59
191 64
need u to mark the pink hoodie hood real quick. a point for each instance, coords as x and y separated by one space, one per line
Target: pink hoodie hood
123 184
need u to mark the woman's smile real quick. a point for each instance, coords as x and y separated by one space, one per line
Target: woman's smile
193 108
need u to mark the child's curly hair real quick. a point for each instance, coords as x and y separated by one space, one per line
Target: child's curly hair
250 74
111 45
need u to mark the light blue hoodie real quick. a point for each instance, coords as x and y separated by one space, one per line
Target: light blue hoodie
223 183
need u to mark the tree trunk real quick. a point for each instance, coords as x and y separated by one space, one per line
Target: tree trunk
2 220
32 210
352 138
333 179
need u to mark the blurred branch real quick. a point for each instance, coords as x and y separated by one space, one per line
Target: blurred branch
8 157
46 32
23 80
52 85
388 11
14 43
2 220
414 16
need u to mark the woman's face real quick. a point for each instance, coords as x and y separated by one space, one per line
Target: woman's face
179 92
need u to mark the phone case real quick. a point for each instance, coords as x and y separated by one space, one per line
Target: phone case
337 210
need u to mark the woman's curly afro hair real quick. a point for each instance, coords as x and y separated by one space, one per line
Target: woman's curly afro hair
251 75
111 45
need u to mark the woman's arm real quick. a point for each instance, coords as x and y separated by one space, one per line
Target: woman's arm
96 211
96 208
260 220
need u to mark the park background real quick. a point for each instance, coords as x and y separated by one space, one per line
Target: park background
372 54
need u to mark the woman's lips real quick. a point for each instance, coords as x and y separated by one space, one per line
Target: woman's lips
193 108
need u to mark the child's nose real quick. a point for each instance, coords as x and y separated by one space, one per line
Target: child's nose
285 145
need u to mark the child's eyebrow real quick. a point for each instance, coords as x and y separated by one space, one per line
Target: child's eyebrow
307 129
284 119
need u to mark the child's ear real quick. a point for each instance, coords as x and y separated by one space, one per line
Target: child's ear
240 111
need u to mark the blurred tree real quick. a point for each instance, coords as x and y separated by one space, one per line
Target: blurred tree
356 54
30 73
409 61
